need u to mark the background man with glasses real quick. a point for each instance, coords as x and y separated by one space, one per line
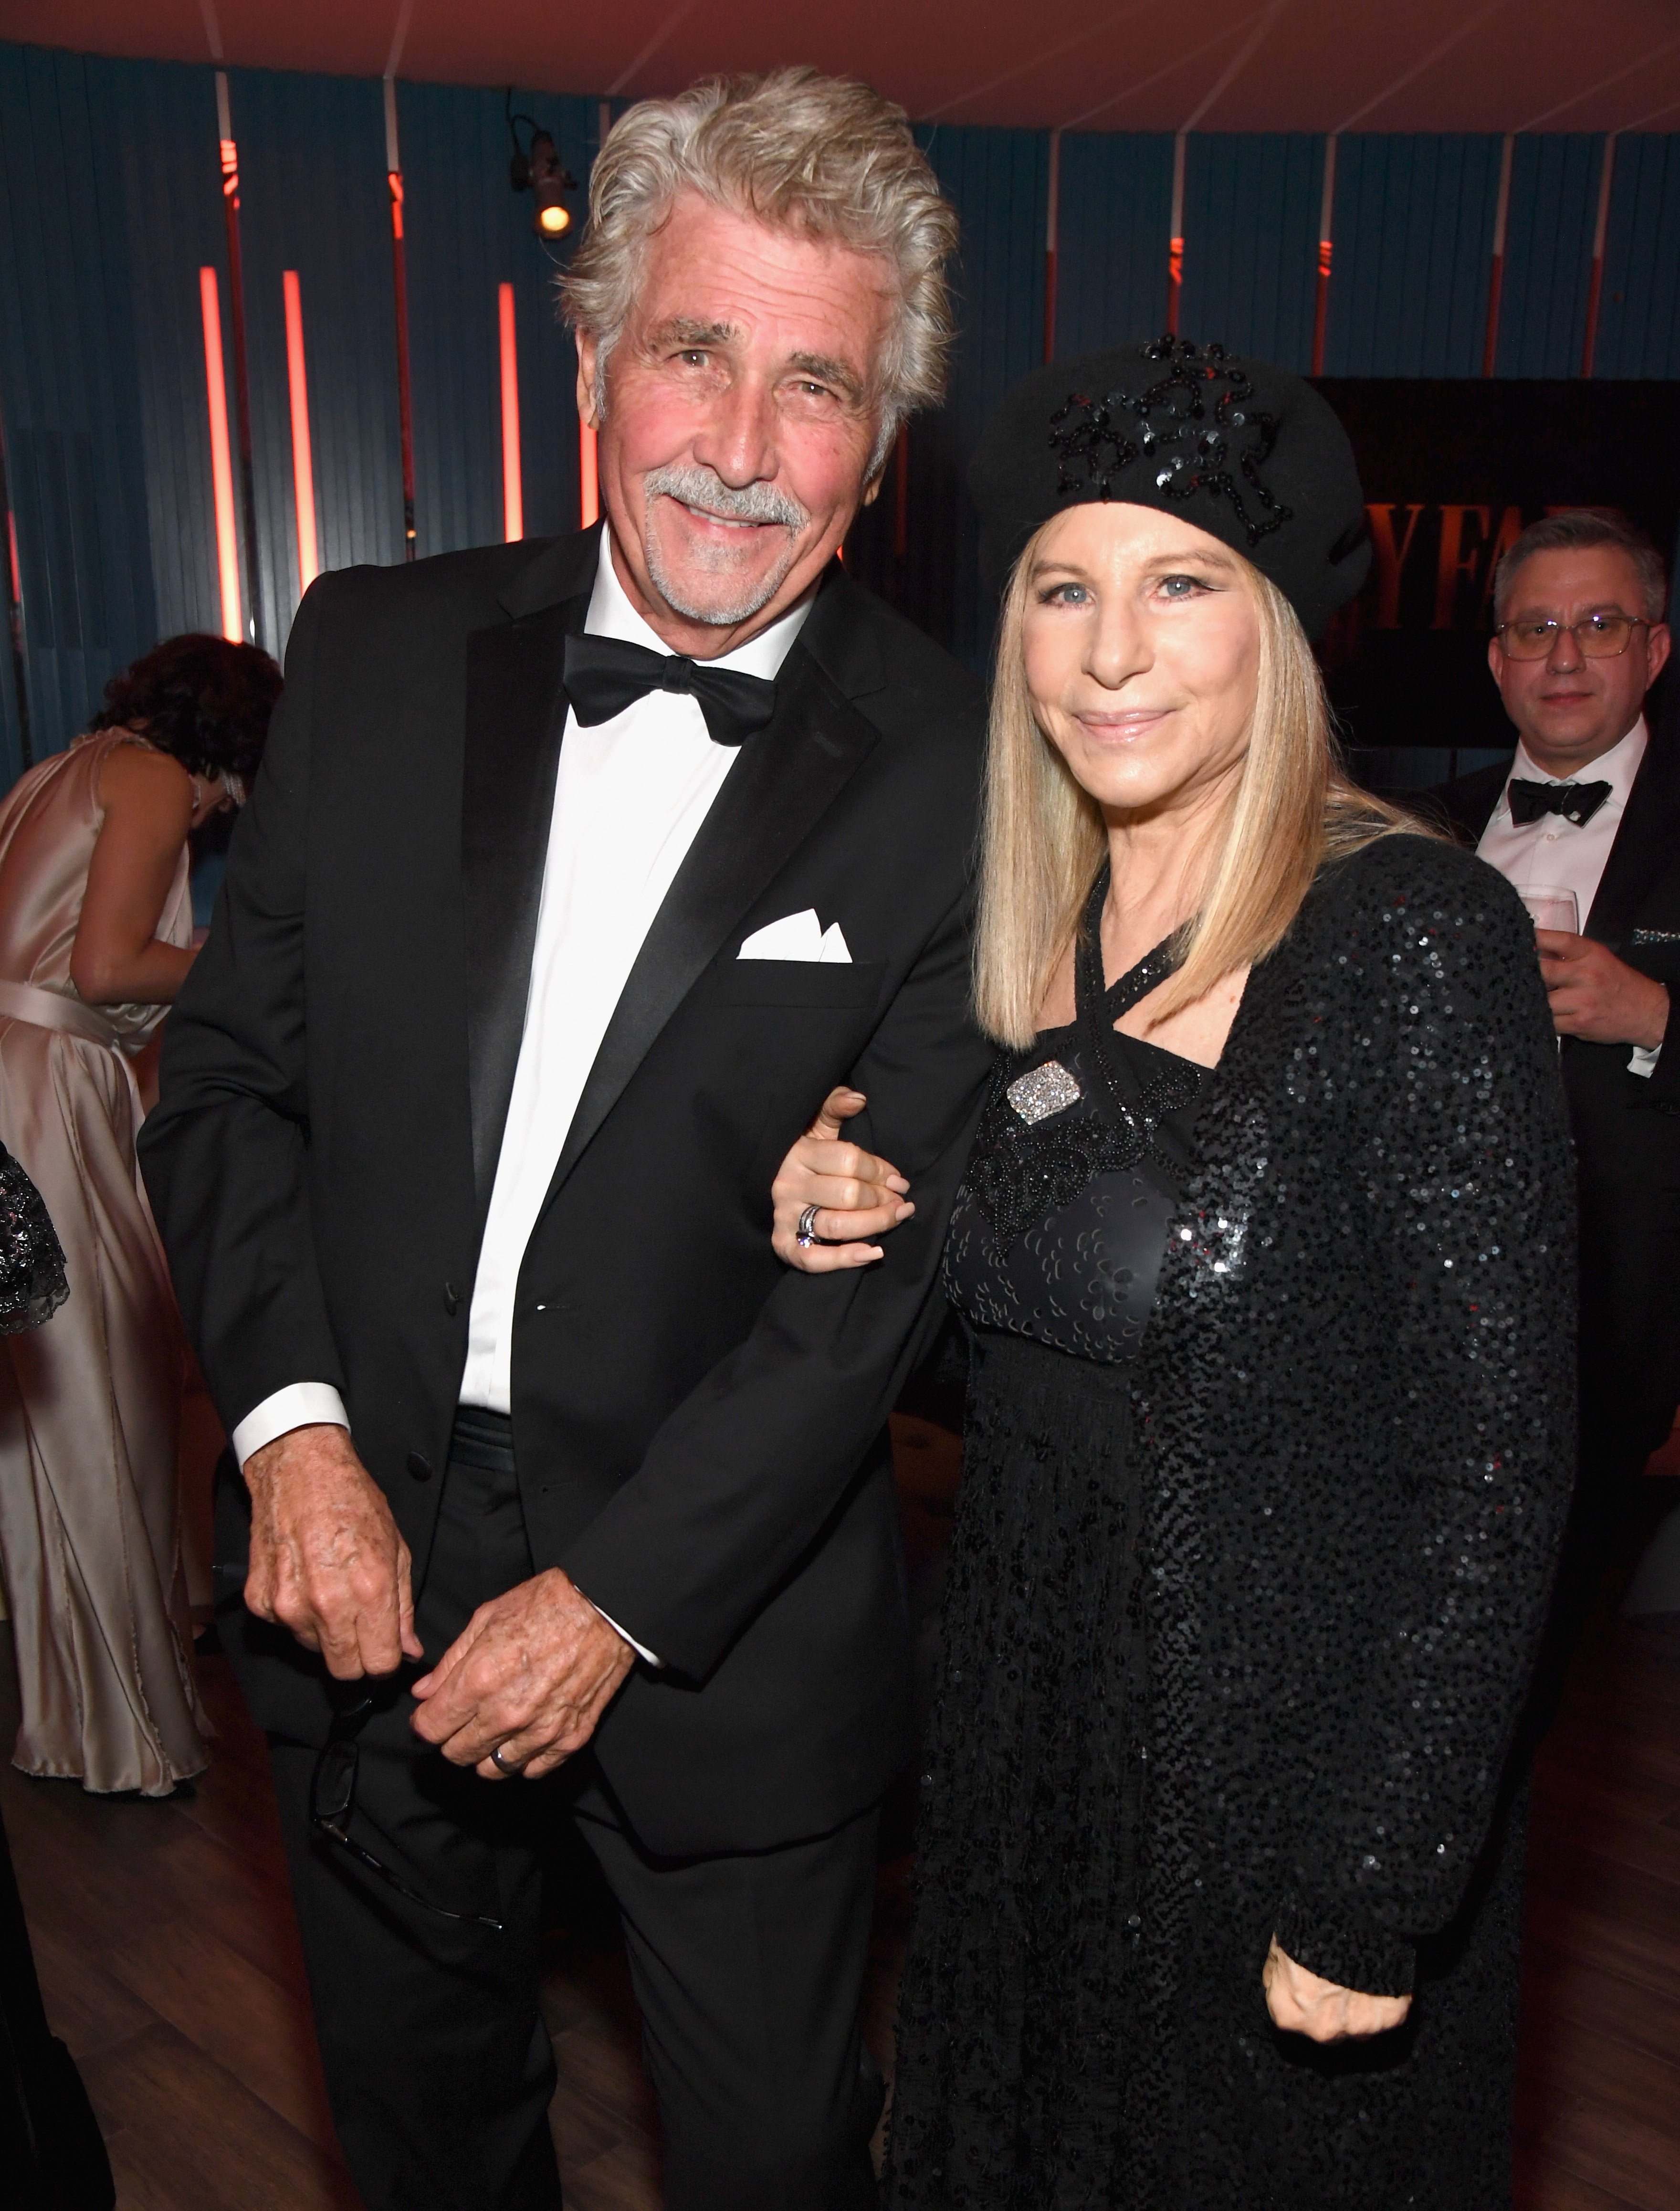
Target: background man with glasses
1590 804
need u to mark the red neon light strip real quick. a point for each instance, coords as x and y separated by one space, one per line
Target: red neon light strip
1596 286
1052 238
1326 251
1496 266
1321 304
1175 242
1496 295
588 482
303 468
221 460
513 482
405 410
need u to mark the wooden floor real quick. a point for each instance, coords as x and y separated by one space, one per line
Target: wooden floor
170 1965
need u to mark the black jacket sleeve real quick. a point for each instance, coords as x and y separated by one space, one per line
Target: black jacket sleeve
1467 1184
223 1154
1660 1090
740 1481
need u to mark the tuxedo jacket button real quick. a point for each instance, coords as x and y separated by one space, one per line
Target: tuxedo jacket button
451 1300
420 1467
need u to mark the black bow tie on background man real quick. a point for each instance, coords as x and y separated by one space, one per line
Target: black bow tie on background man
1576 802
605 675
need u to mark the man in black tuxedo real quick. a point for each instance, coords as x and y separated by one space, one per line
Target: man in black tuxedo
577 874
1591 805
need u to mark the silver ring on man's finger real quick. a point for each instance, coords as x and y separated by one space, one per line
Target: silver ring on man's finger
501 1765
807 1229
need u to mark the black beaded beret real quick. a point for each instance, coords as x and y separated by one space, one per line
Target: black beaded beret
1244 450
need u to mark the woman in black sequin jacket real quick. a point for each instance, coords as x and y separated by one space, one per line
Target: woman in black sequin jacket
1326 1489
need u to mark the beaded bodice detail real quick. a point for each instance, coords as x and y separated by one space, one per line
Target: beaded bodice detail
1083 1141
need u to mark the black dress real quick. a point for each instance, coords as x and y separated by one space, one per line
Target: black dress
32 1259
1246 1584
1015 2010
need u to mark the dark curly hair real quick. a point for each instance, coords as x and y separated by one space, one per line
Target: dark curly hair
204 701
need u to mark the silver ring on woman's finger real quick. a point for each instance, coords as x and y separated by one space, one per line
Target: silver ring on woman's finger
501 1765
807 1229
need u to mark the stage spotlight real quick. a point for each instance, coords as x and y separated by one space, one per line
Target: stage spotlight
537 169
549 185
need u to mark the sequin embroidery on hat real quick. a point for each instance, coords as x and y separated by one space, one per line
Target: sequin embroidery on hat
1192 428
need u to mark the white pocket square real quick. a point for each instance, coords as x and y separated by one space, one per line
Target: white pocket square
798 936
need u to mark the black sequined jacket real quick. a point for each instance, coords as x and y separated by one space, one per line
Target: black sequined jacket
1356 1408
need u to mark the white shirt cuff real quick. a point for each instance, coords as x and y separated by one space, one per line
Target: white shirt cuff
1644 1060
637 1648
299 1405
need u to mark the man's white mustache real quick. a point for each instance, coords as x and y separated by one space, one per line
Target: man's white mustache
705 489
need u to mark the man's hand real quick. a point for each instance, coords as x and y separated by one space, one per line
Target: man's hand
1301 2003
326 1558
1597 996
529 1675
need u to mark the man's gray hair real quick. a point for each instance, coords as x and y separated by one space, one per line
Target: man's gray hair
820 154
1575 528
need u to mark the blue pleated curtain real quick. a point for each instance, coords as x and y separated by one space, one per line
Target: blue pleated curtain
109 204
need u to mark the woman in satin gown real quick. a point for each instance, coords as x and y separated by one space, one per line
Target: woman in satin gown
1264 1260
95 941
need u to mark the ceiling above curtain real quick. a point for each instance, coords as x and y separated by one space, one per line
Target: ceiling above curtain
1315 65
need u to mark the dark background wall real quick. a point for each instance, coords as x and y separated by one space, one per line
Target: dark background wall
110 203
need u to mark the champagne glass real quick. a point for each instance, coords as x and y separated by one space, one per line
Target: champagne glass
1551 908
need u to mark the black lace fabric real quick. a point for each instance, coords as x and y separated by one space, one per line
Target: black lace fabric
1018 2009
1018 2014
32 1260
1237 1628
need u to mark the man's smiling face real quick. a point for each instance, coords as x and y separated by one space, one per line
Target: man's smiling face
742 410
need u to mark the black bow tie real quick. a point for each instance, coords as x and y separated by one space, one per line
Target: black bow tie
605 675
1576 802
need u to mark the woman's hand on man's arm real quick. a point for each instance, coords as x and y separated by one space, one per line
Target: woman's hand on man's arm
857 1196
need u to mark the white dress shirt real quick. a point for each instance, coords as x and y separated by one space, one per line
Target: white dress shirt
628 800
1553 854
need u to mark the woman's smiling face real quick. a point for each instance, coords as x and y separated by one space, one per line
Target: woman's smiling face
1141 641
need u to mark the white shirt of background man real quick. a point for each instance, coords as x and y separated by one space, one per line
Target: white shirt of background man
1552 854
628 800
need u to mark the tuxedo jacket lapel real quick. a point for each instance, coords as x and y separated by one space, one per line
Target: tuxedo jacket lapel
517 710
787 777
1645 845
1467 806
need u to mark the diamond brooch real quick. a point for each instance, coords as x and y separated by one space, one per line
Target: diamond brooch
1042 1091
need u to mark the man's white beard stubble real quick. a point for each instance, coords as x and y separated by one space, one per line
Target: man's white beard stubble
704 487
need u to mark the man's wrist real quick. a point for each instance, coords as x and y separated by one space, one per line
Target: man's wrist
641 1650
315 1444
1656 1028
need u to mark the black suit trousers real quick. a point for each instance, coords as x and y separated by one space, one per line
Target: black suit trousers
747 1968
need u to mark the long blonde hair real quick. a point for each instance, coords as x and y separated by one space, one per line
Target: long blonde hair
1044 839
